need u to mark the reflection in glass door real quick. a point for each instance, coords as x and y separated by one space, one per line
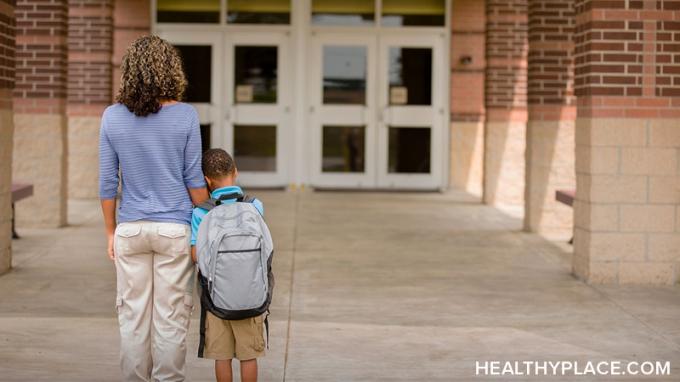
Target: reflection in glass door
257 109
411 115
342 99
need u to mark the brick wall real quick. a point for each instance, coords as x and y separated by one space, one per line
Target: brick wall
41 56
628 142
505 102
551 113
90 44
506 54
39 110
7 55
467 94
550 58
7 31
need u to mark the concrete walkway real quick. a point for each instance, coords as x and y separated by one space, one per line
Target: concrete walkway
370 287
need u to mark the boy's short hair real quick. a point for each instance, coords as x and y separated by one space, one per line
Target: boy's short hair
217 163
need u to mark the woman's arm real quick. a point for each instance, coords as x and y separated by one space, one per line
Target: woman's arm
109 211
108 184
193 175
198 195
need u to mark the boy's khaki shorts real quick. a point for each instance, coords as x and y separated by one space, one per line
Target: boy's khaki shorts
227 339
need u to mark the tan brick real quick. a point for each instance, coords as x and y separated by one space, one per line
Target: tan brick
40 159
597 160
648 161
467 156
647 218
664 189
606 246
83 156
603 272
664 247
664 132
617 189
646 273
596 217
504 163
610 132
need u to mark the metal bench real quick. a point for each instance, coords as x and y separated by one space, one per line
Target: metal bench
19 191
566 197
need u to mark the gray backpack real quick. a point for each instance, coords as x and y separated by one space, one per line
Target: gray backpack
234 250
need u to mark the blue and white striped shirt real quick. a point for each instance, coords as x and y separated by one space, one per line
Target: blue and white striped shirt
159 157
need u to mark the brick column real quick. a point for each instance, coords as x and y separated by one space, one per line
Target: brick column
90 42
7 52
505 101
627 83
552 111
467 94
131 19
40 105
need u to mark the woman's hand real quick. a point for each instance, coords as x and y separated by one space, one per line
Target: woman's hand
112 255
109 212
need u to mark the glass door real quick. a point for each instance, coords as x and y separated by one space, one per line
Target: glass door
342 110
257 112
201 53
411 111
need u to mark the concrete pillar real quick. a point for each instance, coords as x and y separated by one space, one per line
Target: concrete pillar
90 44
7 53
40 111
505 102
131 19
627 83
552 111
467 95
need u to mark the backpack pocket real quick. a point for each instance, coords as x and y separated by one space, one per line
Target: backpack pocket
239 275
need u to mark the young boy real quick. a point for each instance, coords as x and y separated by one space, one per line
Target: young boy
226 339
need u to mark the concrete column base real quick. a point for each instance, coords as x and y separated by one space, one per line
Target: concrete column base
504 150
83 157
550 166
467 156
627 210
6 139
40 149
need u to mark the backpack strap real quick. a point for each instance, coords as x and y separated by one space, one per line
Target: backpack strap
212 202
209 204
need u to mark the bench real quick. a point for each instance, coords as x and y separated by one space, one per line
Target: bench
19 191
566 197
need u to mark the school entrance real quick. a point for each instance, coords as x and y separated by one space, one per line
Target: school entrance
326 93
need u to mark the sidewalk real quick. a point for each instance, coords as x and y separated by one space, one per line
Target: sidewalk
370 287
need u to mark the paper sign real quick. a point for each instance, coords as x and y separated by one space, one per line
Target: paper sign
244 93
398 95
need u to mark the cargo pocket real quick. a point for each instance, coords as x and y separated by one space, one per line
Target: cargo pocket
125 237
188 305
258 335
174 238
119 310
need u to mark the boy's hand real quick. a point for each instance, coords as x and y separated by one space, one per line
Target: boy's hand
193 254
112 256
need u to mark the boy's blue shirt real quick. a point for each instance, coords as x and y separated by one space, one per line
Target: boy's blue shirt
198 213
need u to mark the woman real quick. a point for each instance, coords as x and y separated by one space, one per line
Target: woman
154 143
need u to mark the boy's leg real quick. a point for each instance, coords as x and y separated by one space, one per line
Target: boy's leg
223 370
134 277
173 299
249 338
249 370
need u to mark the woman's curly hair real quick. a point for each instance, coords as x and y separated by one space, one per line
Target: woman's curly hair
151 72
